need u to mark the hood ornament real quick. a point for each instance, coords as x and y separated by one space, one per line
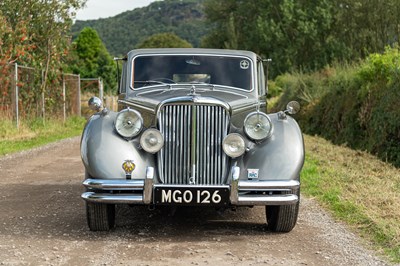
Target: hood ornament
192 91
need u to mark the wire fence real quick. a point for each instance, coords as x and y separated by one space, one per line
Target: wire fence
22 96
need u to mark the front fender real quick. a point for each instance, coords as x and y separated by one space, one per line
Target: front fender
103 151
281 157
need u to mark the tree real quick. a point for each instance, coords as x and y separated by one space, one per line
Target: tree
91 59
38 34
15 45
302 34
164 40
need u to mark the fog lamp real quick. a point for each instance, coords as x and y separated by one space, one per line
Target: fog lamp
152 140
257 126
234 145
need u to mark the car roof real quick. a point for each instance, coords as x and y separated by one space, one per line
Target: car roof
193 51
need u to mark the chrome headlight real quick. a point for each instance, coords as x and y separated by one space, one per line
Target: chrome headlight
258 126
128 123
152 140
234 145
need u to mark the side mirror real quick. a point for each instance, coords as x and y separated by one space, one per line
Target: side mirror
292 108
95 104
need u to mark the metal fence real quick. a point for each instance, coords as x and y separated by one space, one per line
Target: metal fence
22 97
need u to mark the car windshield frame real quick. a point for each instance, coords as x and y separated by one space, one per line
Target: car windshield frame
216 67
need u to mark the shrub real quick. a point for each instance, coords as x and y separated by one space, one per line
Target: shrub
354 105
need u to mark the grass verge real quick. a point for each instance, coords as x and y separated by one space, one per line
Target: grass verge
358 189
36 133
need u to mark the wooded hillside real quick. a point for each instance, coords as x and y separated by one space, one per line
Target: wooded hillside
125 31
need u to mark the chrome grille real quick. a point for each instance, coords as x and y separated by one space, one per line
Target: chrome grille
192 152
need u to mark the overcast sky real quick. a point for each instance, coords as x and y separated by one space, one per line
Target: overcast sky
108 8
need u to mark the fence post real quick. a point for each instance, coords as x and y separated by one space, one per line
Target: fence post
16 95
101 89
79 95
43 100
63 93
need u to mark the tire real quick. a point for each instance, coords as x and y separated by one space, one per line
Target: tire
282 218
100 216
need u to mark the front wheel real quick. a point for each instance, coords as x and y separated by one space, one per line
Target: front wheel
100 216
282 218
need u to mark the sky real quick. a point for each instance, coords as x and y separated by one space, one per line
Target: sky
108 8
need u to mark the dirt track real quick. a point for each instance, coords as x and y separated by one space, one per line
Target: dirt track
43 222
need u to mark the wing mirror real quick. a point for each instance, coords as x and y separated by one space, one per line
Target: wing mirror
292 108
95 104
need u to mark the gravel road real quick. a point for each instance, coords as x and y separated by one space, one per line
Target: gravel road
43 222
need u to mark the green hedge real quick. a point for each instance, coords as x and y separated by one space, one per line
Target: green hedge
355 105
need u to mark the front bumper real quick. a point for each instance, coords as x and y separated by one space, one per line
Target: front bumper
242 193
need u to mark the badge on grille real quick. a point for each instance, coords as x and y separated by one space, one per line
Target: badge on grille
252 173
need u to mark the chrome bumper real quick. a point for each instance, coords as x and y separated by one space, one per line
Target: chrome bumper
144 188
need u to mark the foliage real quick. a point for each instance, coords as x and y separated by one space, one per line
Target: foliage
33 133
303 35
122 33
14 45
35 33
164 40
353 105
358 188
90 59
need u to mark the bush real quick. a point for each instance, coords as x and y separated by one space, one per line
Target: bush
354 105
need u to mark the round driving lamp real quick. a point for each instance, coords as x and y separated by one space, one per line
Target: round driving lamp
234 145
152 140
257 126
128 123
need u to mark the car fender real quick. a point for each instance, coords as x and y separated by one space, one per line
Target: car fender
103 151
280 157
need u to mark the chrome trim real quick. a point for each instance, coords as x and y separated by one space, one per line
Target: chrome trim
235 185
192 152
144 190
148 185
254 200
111 184
200 88
112 198
192 178
268 185
193 100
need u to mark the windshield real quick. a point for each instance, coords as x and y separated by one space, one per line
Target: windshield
172 69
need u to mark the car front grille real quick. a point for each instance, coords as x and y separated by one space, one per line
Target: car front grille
192 152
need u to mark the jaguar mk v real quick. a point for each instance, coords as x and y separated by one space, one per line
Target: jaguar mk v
192 130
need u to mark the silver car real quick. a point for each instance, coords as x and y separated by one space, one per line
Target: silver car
191 131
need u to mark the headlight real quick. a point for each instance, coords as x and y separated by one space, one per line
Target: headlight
234 145
257 126
152 140
128 123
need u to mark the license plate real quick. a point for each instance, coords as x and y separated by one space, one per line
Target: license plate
191 196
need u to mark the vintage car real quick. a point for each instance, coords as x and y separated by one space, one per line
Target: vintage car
192 130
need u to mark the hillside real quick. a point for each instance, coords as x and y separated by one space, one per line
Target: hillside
123 32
